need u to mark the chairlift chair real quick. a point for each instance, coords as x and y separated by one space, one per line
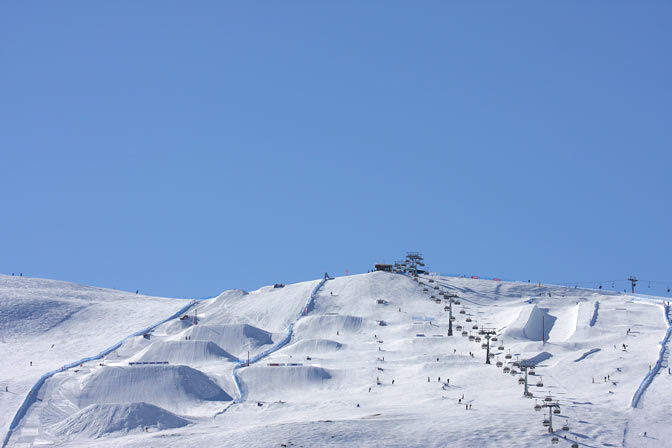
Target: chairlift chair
539 384
457 302
508 356
537 407
501 347
484 346
506 369
556 410
514 372
565 427
521 381
491 355
548 399
474 327
459 328
452 318
477 339
554 440
547 422
463 312
471 337
493 339
468 319
464 333
532 372
499 364
575 444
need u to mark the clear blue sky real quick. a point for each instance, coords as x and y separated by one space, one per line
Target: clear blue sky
184 148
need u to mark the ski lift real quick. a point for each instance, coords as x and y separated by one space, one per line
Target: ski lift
514 372
462 311
507 369
471 337
457 302
499 364
516 363
493 339
554 440
452 318
508 356
548 399
556 410
432 297
521 381
464 333
575 444
468 319
484 346
547 422
565 427
537 407
474 327
491 355
539 383
459 328
532 372
477 339
446 308
501 347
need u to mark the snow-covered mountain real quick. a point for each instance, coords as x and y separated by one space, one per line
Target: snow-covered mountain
364 360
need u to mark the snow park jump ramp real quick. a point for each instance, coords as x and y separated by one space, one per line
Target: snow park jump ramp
32 394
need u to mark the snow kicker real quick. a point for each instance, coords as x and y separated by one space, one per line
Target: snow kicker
290 331
32 394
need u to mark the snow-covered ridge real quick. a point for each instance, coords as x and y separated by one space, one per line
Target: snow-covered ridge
363 360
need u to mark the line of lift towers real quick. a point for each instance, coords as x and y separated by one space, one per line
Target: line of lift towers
413 266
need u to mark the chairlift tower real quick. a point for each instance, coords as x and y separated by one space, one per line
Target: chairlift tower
450 298
487 333
551 407
414 260
633 280
524 366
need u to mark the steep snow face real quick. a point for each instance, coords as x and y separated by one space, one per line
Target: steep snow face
99 420
184 352
371 363
176 388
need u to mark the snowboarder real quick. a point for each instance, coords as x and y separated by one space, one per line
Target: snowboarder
392 381
466 407
439 380
428 379
470 406
31 363
369 388
357 404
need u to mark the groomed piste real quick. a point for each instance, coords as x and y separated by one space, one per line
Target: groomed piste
362 360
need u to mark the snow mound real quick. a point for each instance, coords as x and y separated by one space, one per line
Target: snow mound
270 383
170 387
185 352
98 420
313 346
328 325
533 323
236 339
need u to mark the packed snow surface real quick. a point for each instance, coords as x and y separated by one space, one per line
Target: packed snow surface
357 361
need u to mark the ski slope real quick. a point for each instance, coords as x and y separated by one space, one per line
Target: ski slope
363 360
